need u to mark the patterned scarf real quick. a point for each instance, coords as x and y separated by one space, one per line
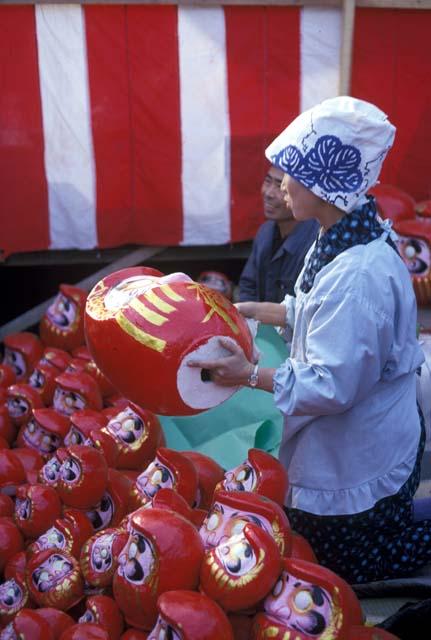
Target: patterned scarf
361 226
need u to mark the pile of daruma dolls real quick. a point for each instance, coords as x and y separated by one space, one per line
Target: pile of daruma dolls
105 533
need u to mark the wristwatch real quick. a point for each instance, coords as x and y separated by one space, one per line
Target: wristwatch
254 377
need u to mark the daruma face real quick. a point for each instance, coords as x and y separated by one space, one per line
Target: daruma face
143 329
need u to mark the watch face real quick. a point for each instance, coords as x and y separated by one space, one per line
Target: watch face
252 381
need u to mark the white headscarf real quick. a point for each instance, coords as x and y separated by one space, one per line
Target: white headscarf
336 149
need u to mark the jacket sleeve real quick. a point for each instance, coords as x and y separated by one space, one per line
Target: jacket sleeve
347 344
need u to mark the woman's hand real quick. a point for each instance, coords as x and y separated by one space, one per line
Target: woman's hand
231 371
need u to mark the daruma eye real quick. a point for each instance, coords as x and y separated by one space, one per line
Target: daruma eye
303 601
213 522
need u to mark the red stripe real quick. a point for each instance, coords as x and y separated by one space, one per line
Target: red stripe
391 67
156 126
24 198
262 47
108 73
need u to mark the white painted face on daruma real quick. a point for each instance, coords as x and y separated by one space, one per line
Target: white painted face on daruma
416 255
300 606
51 539
164 631
11 596
51 572
223 522
17 406
241 478
67 402
155 477
16 360
101 515
50 471
74 436
236 556
63 312
101 558
40 439
138 560
128 428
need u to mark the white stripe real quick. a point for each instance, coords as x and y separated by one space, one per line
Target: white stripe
205 127
69 159
320 54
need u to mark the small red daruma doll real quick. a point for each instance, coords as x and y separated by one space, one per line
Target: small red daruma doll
137 433
82 423
20 402
260 473
27 625
241 570
170 469
99 556
54 579
21 352
142 330
43 380
308 601
232 510
189 615
217 281
62 325
14 596
67 533
83 476
36 508
104 611
163 552
74 392
44 431
113 506
7 376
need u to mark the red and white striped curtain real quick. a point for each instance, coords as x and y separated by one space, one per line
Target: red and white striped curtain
147 124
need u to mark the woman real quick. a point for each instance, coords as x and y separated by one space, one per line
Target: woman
352 440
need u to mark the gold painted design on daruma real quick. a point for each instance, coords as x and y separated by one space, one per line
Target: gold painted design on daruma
151 316
170 293
333 629
211 298
140 336
157 302
224 580
272 632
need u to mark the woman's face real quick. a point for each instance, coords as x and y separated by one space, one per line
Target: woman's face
303 202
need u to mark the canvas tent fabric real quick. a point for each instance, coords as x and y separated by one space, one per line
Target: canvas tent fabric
147 124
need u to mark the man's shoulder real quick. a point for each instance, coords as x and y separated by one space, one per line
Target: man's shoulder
266 230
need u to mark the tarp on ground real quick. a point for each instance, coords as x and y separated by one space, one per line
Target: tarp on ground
247 419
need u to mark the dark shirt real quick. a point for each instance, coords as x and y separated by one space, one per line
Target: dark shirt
269 275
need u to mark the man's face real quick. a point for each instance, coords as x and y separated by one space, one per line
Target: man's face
274 205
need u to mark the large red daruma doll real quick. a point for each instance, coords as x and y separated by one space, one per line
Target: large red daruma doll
142 330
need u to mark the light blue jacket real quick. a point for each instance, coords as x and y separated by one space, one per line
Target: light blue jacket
348 391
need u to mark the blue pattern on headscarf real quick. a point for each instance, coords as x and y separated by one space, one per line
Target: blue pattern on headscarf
330 164
359 227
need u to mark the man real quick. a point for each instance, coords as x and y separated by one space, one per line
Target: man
279 248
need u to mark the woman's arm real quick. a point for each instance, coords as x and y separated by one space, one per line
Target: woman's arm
266 312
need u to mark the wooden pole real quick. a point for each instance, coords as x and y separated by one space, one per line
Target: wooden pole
346 47
33 316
